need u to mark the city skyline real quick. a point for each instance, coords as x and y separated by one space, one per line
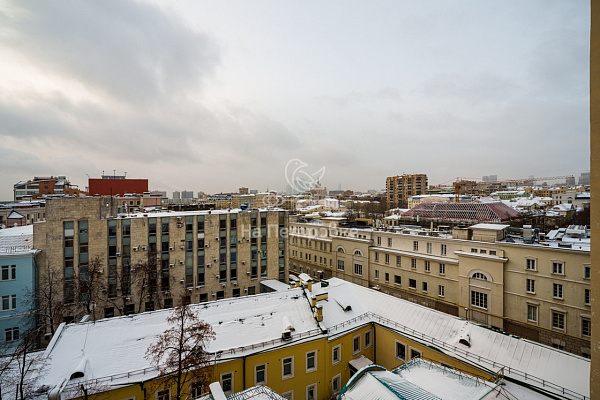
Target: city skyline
215 96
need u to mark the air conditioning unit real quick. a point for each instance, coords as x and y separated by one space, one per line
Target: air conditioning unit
104 290
207 245
178 218
182 281
167 293
286 335
100 271
144 247
171 248
136 248
214 294
247 272
215 259
180 225
182 247
190 290
240 241
234 283
171 265
217 238
128 298
208 265
217 276
119 288
118 254
181 262
244 262
245 290
223 285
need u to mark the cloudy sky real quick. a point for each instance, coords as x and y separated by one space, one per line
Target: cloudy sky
214 95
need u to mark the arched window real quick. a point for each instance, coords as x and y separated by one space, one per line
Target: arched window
358 253
340 250
479 275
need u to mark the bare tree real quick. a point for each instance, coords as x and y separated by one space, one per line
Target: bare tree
91 285
48 295
179 351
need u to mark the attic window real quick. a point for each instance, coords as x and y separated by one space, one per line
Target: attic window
76 374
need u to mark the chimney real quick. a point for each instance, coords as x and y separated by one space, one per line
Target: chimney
319 313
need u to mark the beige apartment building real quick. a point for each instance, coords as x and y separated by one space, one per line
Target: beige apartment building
539 291
400 188
146 261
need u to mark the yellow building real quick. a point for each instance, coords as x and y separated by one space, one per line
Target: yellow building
532 286
304 343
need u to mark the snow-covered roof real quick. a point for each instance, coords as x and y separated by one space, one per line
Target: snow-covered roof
112 350
17 240
418 379
490 349
494 227
275 284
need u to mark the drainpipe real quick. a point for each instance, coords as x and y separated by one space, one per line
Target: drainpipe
374 343
244 372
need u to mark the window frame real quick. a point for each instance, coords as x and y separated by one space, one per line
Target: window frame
530 264
283 363
368 339
11 272
535 309
396 353
479 300
441 291
306 360
558 267
356 348
337 378
308 388
221 380
530 286
335 361
586 327
160 392
557 291
560 318
264 371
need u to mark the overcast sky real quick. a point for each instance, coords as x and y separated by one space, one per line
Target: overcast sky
214 95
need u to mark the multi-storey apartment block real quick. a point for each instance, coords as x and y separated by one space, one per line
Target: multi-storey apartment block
400 188
540 290
112 264
44 186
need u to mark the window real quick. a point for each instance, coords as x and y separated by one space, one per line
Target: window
260 374
378 240
427 266
311 361
311 392
532 313
387 258
387 277
9 302
358 269
429 246
413 263
164 394
586 327
587 272
398 261
557 291
492 252
441 290
443 249
479 299
389 242
558 267
415 245
336 383
11 334
425 286
397 279
340 265
376 256
479 275
368 339
356 344
530 286
109 312
587 297
412 283
196 390
335 354
473 250
287 368
414 353
288 395
227 382
530 264
400 351
442 269
376 274
9 273
558 320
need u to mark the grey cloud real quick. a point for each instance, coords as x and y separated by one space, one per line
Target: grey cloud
131 51
354 98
